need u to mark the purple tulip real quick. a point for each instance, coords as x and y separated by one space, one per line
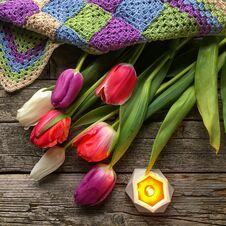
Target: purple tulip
67 88
96 185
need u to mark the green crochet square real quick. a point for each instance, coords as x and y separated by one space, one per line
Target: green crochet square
171 24
88 21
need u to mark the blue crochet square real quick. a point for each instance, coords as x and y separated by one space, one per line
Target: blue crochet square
63 10
139 13
67 35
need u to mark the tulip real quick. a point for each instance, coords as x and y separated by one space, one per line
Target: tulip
95 186
67 88
93 144
118 85
57 133
49 162
37 106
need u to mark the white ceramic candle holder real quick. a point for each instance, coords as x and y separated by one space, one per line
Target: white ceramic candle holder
150 193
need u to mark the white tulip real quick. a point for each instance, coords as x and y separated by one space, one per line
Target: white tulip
36 107
49 162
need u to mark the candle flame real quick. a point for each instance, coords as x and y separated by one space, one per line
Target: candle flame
150 191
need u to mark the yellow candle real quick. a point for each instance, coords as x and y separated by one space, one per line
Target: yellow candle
150 191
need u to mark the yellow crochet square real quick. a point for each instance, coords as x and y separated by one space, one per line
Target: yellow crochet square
89 20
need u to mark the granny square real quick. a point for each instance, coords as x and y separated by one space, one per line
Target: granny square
17 11
67 35
185 6
117 33
109 5
139 13
63 10
179 24
89 20
212 20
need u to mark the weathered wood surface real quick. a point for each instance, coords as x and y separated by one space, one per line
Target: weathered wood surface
188 151
199 199
198 175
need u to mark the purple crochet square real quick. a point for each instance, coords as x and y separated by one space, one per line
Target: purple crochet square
115 35
17 11
109 5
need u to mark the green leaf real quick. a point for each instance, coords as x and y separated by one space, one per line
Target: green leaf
167 84
157 81
51 123
221 61
206 89
131 123
90 101
174 91
94 115
170 94
223 92
174 117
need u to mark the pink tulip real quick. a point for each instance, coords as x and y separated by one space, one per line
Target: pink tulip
118 85
95 186
93 144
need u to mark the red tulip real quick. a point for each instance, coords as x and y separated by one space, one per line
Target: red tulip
118 85
95 186
93 144
58 133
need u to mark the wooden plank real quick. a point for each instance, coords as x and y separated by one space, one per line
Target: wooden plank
199 199
188 151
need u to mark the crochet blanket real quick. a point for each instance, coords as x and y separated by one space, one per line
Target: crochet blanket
31 29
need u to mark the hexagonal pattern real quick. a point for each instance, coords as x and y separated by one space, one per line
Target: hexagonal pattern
150 193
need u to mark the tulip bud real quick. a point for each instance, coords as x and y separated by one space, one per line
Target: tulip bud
49 162
57 133
67 88
118 85
37 106
96 185
93 144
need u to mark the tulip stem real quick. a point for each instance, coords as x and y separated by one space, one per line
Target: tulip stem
50 88
71 110
115 124
100 120
166 85
81 61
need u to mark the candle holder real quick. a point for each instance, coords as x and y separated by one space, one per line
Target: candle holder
150 193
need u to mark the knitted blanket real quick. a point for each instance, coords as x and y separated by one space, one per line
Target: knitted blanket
31 29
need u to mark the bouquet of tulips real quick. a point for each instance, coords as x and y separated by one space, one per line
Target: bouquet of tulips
110 101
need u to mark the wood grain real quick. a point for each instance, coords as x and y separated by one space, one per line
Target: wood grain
199 199
188 151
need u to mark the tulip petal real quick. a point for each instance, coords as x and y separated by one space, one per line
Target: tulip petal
93 144
35 108
62 85
67 88
56 134
49 162
118 85
96 185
